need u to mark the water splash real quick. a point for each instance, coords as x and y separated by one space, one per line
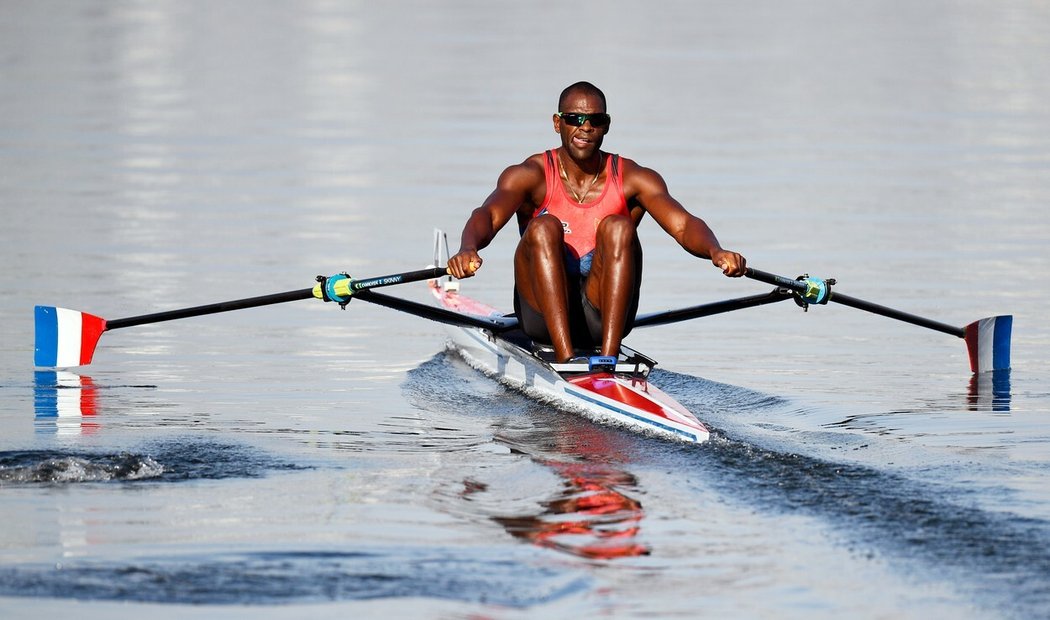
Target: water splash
35 468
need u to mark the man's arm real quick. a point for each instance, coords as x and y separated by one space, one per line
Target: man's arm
648 188
514 189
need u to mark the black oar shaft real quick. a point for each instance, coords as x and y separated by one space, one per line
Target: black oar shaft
440 315
860 304
709 309
276 298
224 306
800 287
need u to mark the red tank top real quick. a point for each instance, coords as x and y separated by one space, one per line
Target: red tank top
580 221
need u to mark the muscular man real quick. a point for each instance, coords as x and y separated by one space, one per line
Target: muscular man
577 268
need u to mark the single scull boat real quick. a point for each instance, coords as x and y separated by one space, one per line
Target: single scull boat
621 395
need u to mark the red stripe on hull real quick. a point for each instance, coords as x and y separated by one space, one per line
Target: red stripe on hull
604 385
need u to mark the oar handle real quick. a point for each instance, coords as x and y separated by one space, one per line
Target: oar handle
429 273
803 286
809 290
341 287
771 278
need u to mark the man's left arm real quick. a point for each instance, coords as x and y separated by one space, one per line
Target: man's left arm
650 191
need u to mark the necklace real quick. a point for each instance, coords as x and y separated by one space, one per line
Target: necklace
565 177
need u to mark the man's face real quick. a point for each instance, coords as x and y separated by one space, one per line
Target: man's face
583 141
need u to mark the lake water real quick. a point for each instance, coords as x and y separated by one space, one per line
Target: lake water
300 461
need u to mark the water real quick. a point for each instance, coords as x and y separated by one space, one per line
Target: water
296 460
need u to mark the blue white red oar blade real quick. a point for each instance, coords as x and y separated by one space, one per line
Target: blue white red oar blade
988 341
65 337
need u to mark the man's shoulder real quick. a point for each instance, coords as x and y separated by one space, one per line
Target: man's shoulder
640 180
527 177
634 170
531 167
630 166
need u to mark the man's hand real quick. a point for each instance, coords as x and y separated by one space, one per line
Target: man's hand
731 263
464 264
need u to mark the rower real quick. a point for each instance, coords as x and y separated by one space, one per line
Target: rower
578 265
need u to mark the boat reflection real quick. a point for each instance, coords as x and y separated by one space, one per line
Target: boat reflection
64 402
589 517
989 391
592 513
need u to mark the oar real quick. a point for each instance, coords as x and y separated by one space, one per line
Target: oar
987 340
67 338
497 324
710 309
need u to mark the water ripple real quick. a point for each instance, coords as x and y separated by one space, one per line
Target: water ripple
165 462
275 577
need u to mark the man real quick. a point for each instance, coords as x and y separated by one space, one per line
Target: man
577 268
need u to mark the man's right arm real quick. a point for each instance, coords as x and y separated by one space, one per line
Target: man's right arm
513 189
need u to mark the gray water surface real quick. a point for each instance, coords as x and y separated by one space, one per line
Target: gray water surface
296 460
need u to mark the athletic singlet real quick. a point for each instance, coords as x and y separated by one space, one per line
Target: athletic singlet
580 221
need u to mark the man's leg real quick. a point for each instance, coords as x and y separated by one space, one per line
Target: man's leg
539 275
611 285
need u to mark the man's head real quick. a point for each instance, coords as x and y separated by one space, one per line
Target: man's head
581 119
585 88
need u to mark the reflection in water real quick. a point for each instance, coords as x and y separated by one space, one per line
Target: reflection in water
65 402
589 517
591 514
590 510
989 391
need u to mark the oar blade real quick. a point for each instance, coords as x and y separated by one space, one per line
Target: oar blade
64 337
988 341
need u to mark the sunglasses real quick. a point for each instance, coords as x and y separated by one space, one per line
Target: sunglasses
601 119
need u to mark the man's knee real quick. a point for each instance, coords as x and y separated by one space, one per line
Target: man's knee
543 230
616 229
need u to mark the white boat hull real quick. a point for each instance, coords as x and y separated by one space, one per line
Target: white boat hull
624 398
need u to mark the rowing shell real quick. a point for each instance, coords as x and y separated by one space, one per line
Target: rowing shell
624 397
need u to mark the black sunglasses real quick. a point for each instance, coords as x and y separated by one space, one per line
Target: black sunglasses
601 119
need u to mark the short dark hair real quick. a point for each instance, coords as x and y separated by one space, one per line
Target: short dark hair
584 87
